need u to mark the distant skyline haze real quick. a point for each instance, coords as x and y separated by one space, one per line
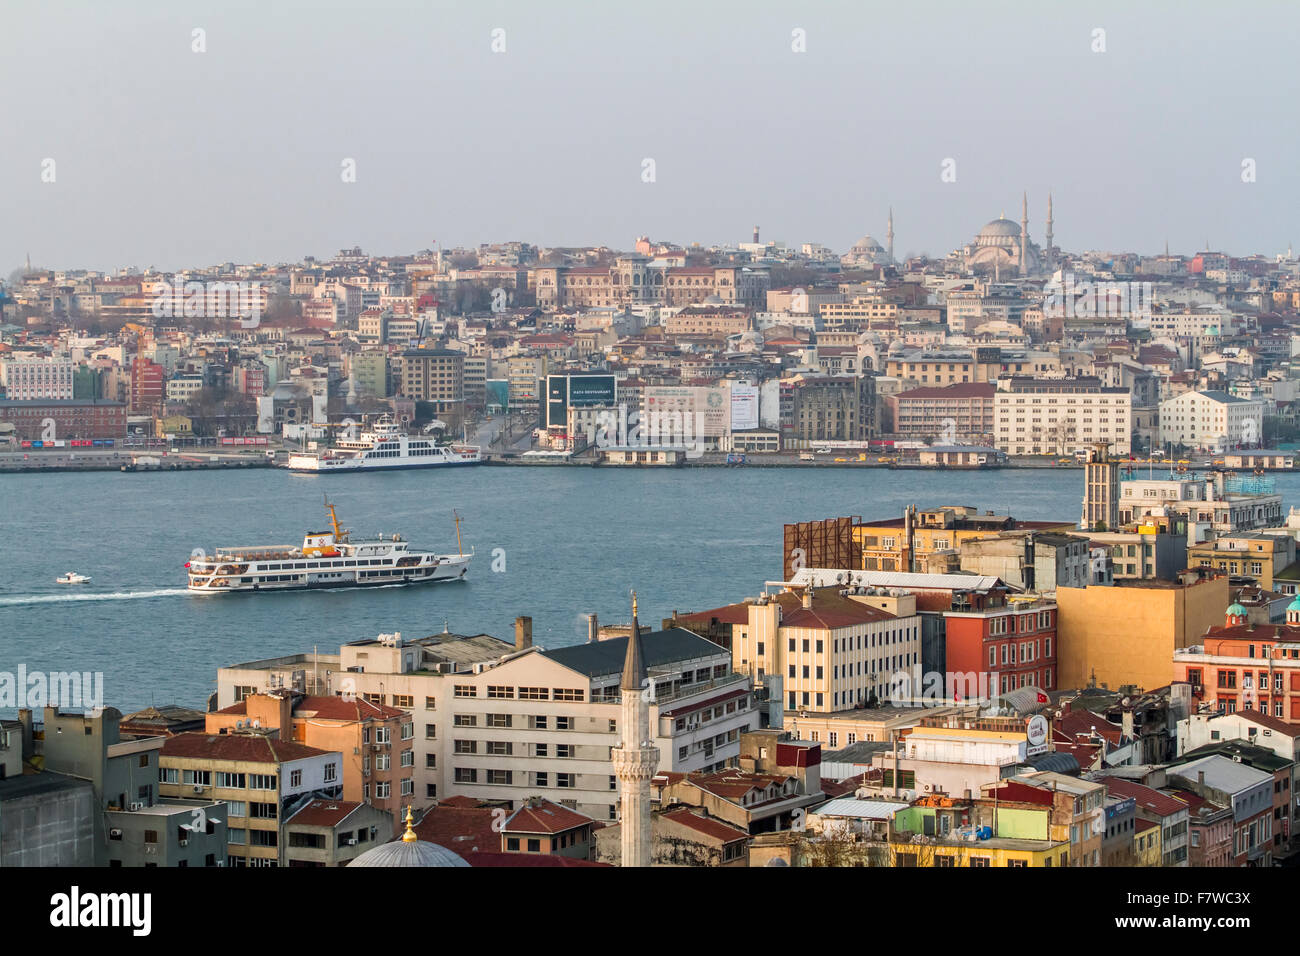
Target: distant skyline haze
187 134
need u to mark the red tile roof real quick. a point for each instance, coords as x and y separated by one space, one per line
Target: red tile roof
544 817
248 748
460 829
462 801
706 825
323 813
830 610
337 708
1153 801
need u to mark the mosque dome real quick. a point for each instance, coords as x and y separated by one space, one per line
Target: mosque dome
997 232
410 850
867 243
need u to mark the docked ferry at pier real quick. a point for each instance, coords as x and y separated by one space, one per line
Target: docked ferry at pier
384 445
327 559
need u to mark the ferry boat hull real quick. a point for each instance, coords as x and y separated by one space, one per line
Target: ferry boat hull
452 568
319 465
382 447
326 560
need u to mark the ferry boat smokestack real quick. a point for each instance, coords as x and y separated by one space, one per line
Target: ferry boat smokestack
593 629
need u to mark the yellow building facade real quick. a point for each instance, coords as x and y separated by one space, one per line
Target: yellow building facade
1127 634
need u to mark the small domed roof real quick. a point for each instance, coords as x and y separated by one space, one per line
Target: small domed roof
1236 610
410 850
1294 605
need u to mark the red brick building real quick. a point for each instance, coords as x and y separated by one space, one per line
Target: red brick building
73 419
928 412
148 386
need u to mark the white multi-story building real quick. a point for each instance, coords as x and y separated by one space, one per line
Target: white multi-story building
1211 419
34 379
501 721
1194 323
181 388
1039 416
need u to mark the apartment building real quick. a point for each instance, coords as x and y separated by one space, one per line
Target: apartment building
262 781
707 320
376 741
1254 554
31 379
1056 416
1014 645
1097 627
831 648
952 412
504 722
832 409
1167 813
436 376
335 832
1240 665
1222 503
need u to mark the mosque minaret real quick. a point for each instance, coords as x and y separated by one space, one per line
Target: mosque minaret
1049 256
635 760
1024 234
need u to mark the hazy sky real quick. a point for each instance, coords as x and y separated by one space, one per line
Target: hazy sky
168 157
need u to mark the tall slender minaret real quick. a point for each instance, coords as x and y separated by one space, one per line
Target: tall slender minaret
634 759
1024 235
889 236
1051 255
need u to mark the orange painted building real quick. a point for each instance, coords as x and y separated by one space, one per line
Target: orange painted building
1016 642
1242 666
376 741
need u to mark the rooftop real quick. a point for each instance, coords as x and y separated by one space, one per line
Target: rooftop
659 649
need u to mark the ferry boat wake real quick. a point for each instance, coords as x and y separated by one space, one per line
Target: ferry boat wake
326 560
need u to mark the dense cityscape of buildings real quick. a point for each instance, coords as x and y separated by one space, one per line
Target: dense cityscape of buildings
947 686
1004 347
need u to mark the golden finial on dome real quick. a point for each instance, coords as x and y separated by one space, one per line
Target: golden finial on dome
634 605
409 836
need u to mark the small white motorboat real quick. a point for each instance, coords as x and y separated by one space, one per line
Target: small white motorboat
72 577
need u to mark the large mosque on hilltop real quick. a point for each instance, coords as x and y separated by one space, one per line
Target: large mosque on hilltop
1001 248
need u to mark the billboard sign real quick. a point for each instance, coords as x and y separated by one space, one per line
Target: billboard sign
1036 731
744 407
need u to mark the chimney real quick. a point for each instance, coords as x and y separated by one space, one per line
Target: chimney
523 633
593 629
1200 777
807 598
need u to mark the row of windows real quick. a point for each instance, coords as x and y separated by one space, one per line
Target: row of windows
501 692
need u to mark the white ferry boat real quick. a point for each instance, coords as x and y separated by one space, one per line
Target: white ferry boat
384 445
327 559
